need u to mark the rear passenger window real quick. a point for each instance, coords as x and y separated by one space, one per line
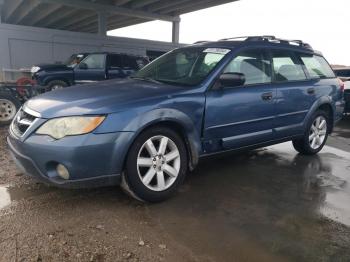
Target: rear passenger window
115 61
287 67
254 64
317 66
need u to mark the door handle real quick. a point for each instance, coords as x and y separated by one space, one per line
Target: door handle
311 91
267 96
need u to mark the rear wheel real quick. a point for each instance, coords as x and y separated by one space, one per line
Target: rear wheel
9 106
57 84
315 136
156 165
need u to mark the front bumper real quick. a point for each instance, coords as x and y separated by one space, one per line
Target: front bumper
36 79
93 160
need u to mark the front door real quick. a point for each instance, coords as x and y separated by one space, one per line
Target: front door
91 69
241 116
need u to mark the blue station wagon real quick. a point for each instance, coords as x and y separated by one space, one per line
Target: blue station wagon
145 132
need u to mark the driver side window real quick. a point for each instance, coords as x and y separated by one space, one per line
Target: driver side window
254 64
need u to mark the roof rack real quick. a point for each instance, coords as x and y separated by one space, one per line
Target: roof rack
270 38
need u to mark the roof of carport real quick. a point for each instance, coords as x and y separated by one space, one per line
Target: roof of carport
81 15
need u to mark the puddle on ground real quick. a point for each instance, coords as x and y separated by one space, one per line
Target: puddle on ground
5 198
337 187
328 174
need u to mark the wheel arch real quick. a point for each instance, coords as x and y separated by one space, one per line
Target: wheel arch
327 108
325 104
66 80
174 120
180 129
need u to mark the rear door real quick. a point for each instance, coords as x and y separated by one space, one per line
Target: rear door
91 69
295 93
241 116
131 65
121 65
115 63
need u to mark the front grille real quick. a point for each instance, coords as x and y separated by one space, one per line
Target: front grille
22 122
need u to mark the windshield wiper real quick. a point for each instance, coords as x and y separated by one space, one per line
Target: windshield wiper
148 79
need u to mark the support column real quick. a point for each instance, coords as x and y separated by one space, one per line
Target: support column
1 6
102 23
176 32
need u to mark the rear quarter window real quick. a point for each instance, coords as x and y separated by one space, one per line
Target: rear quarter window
317 66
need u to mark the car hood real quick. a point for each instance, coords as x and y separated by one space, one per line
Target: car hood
53 67
99 98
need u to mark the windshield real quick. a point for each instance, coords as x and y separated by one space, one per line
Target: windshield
186 66
74 60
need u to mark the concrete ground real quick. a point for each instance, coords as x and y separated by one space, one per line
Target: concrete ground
264 205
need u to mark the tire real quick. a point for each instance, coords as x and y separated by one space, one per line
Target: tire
56 84
152 174
314 139
9 105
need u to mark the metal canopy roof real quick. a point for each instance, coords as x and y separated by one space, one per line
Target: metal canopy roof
83 15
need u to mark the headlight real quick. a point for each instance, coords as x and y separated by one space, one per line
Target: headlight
70 126
34 69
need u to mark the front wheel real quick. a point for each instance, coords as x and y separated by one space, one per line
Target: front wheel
315 136
156 165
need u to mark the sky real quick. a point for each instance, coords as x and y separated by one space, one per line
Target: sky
322 23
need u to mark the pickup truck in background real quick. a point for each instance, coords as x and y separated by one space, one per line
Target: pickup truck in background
94 67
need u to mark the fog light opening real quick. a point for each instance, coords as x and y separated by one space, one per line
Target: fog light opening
62 171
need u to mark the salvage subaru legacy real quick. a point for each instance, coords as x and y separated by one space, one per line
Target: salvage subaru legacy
147 131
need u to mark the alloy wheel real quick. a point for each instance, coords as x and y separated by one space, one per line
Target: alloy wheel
318 132
158 163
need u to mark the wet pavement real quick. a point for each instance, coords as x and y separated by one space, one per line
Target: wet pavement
269 204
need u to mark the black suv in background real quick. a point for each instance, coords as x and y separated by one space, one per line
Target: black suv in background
94 67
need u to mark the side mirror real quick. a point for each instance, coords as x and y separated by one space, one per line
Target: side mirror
232 79
83 66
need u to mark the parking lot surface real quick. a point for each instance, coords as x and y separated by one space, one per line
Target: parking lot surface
269 204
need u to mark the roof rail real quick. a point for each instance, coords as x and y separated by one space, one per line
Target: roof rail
239 37
270 38
201 41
